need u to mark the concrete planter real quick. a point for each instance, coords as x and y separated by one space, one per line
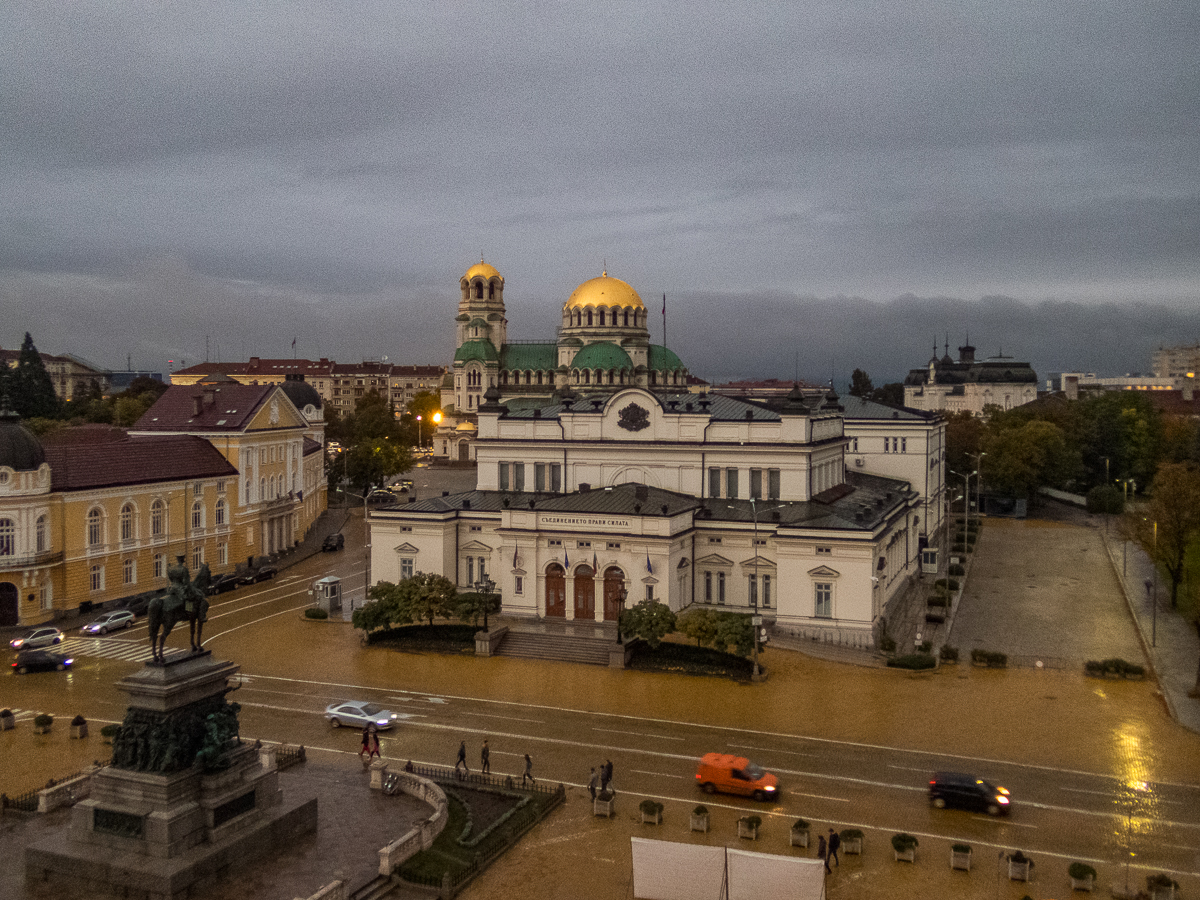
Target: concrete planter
1083 884
799 837
909 855
79 731
8 722
604 807
852 844
747 829
960 860
698 822
1020 869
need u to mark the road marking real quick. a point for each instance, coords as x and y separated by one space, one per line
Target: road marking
659 774
1149 799
639 734
115 648
770 750
504 718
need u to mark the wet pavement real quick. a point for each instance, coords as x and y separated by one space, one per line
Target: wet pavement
1046 719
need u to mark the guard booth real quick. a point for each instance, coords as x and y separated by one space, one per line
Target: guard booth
329 593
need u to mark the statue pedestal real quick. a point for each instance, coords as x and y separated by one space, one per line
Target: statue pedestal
154 833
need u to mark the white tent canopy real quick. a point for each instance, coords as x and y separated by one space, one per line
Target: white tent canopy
666 870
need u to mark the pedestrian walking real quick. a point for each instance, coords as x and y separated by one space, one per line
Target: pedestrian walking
366 742
606 785
592 782
374 751
835 841
821 853
485 758
462 758
528 773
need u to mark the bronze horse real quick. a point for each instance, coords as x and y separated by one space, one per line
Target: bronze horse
184 599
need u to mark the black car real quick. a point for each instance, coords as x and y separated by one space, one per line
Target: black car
262 573
40 661
333 542
223 583
964 791
139 604
380 497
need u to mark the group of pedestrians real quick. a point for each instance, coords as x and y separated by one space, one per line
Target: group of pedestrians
370 743
829 850
485 762
603 780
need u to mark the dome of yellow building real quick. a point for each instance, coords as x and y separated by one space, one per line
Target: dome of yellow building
483 269
604 291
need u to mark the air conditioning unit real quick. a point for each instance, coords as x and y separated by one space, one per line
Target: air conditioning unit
860 462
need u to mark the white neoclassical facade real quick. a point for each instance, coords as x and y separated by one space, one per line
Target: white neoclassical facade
593 497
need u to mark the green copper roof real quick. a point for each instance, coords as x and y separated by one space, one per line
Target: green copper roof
481 350
663 359
532 357
603 355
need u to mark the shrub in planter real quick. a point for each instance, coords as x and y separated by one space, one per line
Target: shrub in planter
904 845
972 537
1134 671
924 646
997 660
949 654
699 819
914 661
1082 876
936 601
979 657
960 548
956 569
315 612
799 835
852 840
42 723
960 857
1160 884
748 827
79 727
1094 668
651 811
1020 866
7 720
952 584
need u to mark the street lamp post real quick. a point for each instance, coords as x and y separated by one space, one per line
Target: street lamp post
966 498
485 586
621 597
1152 590
978 486
420 438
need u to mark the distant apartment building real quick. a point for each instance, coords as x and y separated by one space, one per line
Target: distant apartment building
1176 362
1075 385
71 375
969 385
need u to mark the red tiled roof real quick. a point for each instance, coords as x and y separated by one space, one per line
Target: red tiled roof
84 434
230 408
135 460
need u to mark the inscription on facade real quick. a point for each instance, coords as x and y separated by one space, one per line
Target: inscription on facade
584 521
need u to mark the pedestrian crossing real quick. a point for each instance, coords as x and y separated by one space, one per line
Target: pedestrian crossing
114 648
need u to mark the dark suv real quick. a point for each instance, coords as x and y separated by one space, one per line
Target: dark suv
967 792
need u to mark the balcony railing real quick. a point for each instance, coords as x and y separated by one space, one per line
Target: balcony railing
45 558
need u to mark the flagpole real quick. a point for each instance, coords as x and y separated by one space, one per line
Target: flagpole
664 314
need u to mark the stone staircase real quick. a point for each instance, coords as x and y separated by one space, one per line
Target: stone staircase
555 646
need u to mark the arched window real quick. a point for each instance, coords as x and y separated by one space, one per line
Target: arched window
249 485
262 488
587 376
157 508
529 378
479 290
626 318
539 377
8 537
589 317
220 512
601 317
95 528
41 534
491 292
198 514
127 522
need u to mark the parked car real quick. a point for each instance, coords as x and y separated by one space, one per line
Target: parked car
359 713
42 636
380 497
262 573
40 660
223 583
139 604
964 791
333 542
109 621
735 775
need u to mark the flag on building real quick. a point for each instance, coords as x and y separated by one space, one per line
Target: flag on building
649 568
595 565
294 339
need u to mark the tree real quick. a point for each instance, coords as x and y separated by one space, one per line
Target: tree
860 384
1170 524
1020 461
30 388
964 441
475 605
426 596
699 624
735 630
649 620
371 463
891 393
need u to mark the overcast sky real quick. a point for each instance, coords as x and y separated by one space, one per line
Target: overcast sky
815 186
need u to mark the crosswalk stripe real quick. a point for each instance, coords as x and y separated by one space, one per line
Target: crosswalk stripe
112 648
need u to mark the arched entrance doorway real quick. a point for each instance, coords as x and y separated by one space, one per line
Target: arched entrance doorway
585 593
464 451
556 591
614 586
8 603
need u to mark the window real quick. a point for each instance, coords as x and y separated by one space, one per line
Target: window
503 474
197 557
708 587
406 567
773 484
47 594
731 483
518 585
555 478
198 514
156 518
127 522
482 568
160 565
583 544
903 445
8 537
475 528
756 484
40 528
97 578
766 591
539 477
554 542
221 486
853 445
714 482
824 551
222 554
649 593
129 571
714 540
753 591
94 529
720 588
220 512
823 600
613 545
518 476
470 570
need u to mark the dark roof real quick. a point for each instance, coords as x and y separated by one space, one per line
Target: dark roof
20 450
862 503
232 407
301 393
135 460
311 446
263 368
720 408
859 408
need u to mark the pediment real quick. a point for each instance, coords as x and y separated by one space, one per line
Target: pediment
758 562
823 572
714 559
476 547
407 548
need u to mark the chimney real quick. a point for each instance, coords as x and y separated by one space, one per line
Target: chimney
197 404
210 396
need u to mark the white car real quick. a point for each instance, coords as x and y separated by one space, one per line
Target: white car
110 621
39 637
360 713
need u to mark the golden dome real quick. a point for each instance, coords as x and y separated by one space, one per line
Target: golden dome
483 269
604 291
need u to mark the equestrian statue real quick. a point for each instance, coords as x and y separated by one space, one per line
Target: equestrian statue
183 599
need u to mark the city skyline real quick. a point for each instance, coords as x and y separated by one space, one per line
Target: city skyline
815 189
